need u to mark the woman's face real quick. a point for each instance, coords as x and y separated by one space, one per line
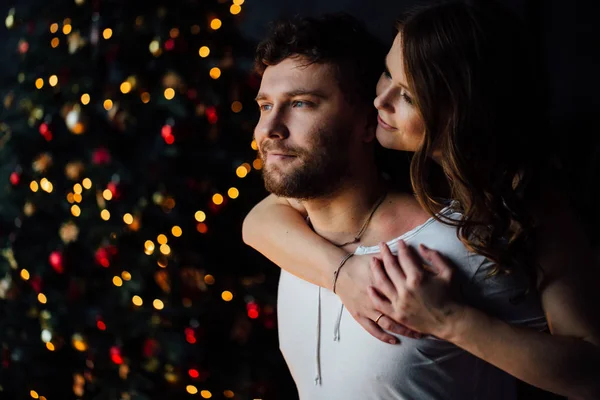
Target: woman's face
400 126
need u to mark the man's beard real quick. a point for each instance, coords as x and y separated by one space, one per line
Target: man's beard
323 169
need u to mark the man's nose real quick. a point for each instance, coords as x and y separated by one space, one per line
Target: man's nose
272 126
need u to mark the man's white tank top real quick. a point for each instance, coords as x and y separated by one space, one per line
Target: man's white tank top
332 357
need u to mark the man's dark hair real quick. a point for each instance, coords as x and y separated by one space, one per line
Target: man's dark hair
338 39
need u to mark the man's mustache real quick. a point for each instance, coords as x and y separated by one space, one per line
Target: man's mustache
272 147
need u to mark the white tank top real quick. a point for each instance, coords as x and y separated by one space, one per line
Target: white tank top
332 357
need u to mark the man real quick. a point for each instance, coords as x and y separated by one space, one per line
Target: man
316 139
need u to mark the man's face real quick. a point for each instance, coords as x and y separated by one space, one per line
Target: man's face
307 132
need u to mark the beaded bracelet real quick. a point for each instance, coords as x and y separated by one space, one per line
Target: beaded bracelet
337 271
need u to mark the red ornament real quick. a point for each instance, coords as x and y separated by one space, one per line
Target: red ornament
211 115
56 260
115 355
169 45
15 178
166 130
102 257
101 156
193 373
44 128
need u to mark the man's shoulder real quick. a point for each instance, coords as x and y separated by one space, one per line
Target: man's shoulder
400 213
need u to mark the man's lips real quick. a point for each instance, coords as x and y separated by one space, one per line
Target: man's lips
385 125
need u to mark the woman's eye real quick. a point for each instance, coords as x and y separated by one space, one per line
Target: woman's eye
406 97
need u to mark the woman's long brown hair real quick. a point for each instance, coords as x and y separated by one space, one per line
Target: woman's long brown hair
476 86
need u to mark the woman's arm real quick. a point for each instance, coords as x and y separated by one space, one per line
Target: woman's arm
277 228
566 362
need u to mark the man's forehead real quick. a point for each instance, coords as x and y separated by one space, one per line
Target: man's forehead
295 74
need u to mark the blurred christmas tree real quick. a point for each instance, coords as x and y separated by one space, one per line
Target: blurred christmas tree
125 132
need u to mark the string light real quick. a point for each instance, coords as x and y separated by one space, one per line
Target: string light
227 295
215 24
87 183
137 300
108 104
34 186
217 199
206 394
24 274
158 304
200 216
229 394
75 210
105 215
50 346
126 275
174 33
77 198
85 99
39 83
209 279
215 73
176 231
117 281
191 389
67 29
34 394
169 93
125 87
77 188
238 2
241 172
257 164
235 9
233 193
55 42
204 51
107 33
165 249
54 28
53 81
254 145
107 194
202 227
128 219
145 97
42 298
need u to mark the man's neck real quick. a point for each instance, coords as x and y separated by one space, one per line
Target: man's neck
339 217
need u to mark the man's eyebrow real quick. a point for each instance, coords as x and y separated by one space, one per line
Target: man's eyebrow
294 93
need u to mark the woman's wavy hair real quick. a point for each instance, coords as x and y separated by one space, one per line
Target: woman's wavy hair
476 85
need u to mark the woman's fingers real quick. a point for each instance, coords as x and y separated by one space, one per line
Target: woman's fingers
381 281
390 325
440 264
376 331
411 265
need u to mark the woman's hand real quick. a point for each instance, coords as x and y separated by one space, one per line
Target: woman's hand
409 294
353 281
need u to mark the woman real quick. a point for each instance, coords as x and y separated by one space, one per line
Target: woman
459 91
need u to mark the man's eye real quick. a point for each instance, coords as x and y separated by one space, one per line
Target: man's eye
300 103
264 107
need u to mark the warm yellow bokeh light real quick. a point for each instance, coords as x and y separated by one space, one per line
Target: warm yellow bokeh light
145 97
233 193
216 24
108 104
55 42
54 28
77 198
176 231
34 394
227 295
204 51
158 304
149 245
77 188
126 276
128 219
169 93
215 73
25 274
257 164
53 81
191 389
117 281
75 210
236 106
229 394
105 215
125 87
39 83
70 198
206 394
107 34
162 239
173 33
254 145
107 194
200 216
209 279
238 2
217 199
67 29
87 183
50 346
165 249
241 171
85 99
137 300
235 9
34 186
154 46
42 298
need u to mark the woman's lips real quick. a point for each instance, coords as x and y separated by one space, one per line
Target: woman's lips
384 125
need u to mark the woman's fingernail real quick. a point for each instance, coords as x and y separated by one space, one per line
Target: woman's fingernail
401 244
